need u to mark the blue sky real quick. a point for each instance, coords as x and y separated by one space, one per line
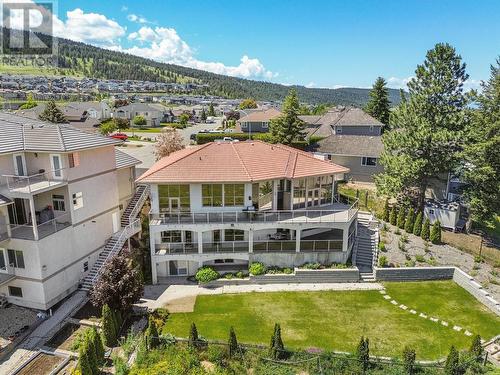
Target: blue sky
315 43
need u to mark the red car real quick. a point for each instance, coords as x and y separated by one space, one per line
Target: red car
120 136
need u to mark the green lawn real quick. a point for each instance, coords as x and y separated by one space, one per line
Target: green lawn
335 320
374 202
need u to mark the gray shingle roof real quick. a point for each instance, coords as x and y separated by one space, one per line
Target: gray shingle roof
352 145
124 160
24 134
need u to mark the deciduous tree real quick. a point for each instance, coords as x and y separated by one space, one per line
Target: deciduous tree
167 142
248 104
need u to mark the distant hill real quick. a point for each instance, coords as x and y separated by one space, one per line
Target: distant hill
79 59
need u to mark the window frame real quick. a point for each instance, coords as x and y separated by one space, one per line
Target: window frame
235 235
15 257
57 200
364 161
11 288
77 199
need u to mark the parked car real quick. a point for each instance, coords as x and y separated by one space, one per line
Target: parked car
120 136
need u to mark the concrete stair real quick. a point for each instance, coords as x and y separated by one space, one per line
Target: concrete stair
131 225
366 245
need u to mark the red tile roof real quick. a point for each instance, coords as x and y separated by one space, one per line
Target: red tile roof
237 162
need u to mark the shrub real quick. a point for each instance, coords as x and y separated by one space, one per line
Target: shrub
410 263
287 271
401 218
401 245
432 262
420 258
476 349
404 238
387 211
139 120
363 353
120 365
312 266
382 261
417 226
216 354
478 259
409 357
108 326
397 231
426 228
228 276
240 275
381 246
152 336
206 274
393 215
435 235
257 268
409 221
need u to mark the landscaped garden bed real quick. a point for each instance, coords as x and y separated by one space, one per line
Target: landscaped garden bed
66 338
347 315
42 364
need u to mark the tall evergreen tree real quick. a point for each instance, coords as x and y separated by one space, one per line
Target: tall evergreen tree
426 130
401 218
52 114
277 348
232 343
482 151
393 215
363 353
409 357
211 110
288 127
417 226
409 221
152 336
426 230
452 365
476 348
379 105
387 211
435 235
193 336
108 326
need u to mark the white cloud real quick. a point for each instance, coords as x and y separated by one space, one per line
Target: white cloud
124 8
135 18
398 83
164 44
472 84
311 85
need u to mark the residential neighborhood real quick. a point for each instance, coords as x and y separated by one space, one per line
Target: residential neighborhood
164 210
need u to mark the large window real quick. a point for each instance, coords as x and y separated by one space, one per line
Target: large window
58 202
174 197
211 195
2 261
171 236
299 193
77 200
234 195
368 162
16 258
234 235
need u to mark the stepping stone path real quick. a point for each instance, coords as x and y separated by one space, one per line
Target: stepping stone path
422 315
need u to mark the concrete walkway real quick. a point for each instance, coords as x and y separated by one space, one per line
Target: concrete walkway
181 298
42 333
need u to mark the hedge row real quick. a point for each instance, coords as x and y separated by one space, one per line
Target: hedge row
202 138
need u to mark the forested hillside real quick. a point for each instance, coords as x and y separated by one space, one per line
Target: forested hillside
81 59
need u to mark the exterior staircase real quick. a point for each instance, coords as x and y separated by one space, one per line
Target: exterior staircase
131 225
365 257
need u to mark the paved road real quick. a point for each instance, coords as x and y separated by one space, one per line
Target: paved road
185 133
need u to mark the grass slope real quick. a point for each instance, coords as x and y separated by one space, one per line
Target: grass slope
336 320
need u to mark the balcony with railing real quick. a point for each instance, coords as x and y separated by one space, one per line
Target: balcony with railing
258 247
337 212
33 183
36 232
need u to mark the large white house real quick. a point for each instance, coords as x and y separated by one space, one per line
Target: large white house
63 192
226 204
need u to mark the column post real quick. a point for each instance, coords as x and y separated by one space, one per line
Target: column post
152 249
345 237
200 242
297 240
250 240
33 218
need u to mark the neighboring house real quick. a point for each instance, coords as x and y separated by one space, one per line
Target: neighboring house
257 121
226 204
62 195
153 113
359 153
82 115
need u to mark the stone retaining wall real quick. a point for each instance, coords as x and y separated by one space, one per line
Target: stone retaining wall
414 273
473 287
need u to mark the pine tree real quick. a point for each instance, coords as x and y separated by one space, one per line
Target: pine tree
203 115
232 343
476 348
363 353
288 127
409 221
211 110
394 215
482 150
426 229
379 105
386 211
452 365
84 364
108 326
417 227
52 114
277 348
401 218
97 344
409 357
193 336
435 235
427 130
